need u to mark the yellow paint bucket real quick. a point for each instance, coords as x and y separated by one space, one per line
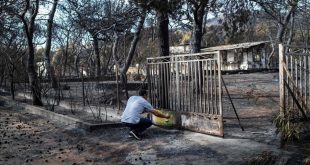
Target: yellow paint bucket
163 121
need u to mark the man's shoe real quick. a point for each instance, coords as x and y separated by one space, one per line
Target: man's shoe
132 133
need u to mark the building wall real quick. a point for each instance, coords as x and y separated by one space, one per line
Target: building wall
231 62
134 70
244 60
179 49
264 65
230 56
250 59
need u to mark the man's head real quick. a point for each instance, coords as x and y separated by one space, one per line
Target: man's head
143 93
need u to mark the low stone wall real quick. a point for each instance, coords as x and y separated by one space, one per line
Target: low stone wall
112 115
63 119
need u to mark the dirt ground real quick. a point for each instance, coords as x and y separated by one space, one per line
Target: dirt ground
30 139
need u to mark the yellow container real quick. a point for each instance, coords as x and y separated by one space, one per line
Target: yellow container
163 121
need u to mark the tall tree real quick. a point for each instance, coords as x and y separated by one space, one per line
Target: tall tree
12 50
279 11
163 27
49 67
28 16
236 20
101 17
89 16
132 49
162 9
197 13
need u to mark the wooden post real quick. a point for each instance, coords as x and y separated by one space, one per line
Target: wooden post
117 88
281 78
148 77
83 89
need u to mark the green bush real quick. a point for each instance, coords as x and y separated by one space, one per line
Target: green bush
289 127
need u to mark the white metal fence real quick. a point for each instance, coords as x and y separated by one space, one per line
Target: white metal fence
186 83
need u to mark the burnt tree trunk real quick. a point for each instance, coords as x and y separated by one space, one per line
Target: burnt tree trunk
49 67
97 53
197 29
66 55
10 65
29 30
12 87
131 52
270 55
163 33
33 78
163 38
116 62
291 33
282 25
198 13
114 49
76 64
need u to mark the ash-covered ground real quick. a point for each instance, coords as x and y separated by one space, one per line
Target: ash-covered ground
30 139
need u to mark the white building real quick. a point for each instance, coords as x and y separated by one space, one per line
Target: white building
243 56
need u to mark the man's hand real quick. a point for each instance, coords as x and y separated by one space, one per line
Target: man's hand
167 116
159 114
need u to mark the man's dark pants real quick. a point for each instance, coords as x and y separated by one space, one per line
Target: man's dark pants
143 124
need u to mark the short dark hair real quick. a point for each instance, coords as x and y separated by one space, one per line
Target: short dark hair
142 92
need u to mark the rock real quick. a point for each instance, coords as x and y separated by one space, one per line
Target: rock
75 132
80 147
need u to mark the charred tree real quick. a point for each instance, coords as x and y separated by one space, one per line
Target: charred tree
49 67
131 52
97 54
163 39
29 28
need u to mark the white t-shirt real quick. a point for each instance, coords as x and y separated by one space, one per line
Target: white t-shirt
135 106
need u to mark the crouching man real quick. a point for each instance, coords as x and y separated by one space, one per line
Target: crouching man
131 116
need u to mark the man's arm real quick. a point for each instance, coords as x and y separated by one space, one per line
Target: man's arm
158 114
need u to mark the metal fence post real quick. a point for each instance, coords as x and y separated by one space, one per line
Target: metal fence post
219 65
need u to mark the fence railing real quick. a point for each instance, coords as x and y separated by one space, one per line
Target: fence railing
186 83
294 77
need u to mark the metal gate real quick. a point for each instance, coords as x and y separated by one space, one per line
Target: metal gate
294 78
191 86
